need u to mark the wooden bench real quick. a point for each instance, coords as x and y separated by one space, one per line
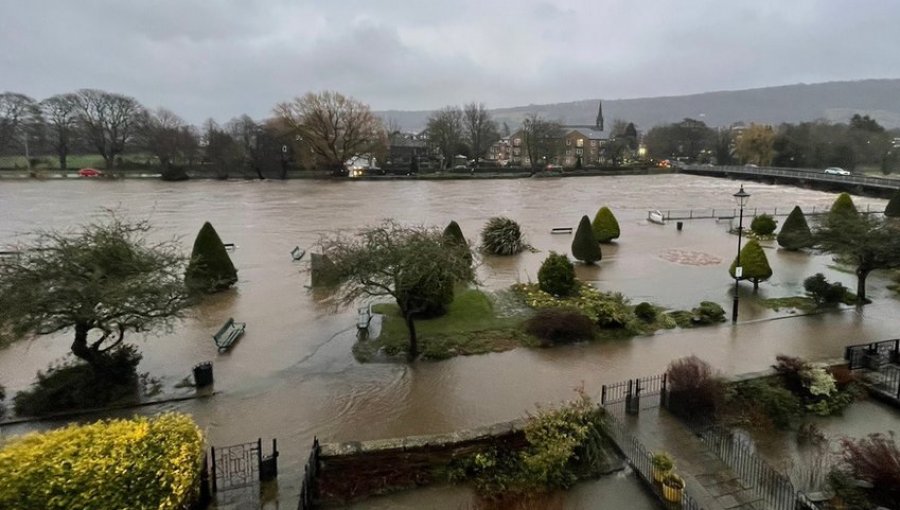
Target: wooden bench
561 230
297 253
228 333
364 317
229 246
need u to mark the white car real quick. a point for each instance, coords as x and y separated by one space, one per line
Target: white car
833 170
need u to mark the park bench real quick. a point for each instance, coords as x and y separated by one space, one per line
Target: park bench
561 230
229 246
297 253
364 317
228 333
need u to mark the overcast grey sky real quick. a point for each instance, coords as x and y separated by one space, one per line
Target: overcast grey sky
205 58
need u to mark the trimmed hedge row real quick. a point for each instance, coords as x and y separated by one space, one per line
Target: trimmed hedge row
139 463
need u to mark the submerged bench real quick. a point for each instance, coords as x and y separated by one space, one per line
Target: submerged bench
228 333
561 230
364 317
297 253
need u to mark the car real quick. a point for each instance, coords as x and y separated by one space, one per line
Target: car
90 172
834 170
750 165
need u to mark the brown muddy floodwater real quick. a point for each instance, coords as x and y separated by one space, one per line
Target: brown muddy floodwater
292 375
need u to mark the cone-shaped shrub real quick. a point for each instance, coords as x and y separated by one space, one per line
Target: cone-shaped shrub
893 207
585 247
763 225
795 233
755 264
557 275
502 236
453 235
843 208
210 269
605 226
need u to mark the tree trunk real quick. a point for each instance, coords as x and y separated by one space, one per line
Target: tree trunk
755 284
80 347
63 164
413 341
861 275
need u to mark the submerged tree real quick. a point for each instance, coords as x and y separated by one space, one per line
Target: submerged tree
585 247
795 233
892 210
502 236
754 263
106 278
453 235
412 265
210 269
843 207
605 225
864 241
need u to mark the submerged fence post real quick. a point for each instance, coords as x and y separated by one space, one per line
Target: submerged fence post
212 450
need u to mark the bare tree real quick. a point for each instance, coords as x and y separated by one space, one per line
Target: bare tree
542 138
109 121
335 127
223 152
61 116
163 136
445 132
18 116
481 131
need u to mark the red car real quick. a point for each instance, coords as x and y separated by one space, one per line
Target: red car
90 172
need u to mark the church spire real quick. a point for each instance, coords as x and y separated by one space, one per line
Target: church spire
600 116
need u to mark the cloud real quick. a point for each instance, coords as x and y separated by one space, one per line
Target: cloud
221 59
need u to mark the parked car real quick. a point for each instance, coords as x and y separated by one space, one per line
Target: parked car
89 172
834 170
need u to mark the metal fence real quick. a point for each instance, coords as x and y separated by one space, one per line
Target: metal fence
803 174
738 453
634 393
871 355
640 460
308 493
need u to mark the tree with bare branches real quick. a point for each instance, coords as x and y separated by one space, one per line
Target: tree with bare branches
481 131
168 137
100 282
542 138
336 127
445 132
109 121
18 115
61 116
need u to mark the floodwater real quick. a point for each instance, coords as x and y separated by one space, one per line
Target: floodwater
292 375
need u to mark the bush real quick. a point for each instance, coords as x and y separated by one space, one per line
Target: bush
557 275
210 269
753 260
502 236
875 459
763 225
795 233
695 392
708 313
141 463
556 325
76 385
607 309
645 311
584 245
453 236
605 226
824 293
777 403
843 208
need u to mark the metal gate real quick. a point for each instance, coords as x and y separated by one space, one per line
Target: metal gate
236 466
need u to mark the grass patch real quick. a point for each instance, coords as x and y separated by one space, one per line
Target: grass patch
470 326
802 303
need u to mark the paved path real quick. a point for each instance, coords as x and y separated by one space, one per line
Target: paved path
711 483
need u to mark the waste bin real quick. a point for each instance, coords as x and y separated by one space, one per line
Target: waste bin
679 225
203 374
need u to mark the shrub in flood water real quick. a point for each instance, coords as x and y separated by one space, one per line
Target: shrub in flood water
557 275
556 325
502 236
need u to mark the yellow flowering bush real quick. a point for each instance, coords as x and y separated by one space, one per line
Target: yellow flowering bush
140 463
607 309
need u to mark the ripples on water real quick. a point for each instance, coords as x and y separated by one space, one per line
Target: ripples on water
292 375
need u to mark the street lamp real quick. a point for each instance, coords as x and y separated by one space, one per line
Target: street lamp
741 198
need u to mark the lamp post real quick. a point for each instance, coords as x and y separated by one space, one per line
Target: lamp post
741 198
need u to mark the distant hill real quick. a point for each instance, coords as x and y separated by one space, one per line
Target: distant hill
834 101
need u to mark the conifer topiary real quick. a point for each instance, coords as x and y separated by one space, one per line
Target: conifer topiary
453 235
557 275
605 225
754 262
210 269
795 233
585 247
892 210
843 208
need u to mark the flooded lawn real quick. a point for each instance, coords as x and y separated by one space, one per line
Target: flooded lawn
292 375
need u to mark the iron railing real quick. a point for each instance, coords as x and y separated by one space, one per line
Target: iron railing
308 493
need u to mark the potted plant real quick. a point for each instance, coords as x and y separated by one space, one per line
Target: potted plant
661 464
673 488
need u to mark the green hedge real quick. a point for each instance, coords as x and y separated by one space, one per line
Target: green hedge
140 464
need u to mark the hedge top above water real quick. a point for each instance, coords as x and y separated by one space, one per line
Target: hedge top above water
141 464
210 269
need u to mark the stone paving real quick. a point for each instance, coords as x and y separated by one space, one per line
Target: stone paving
711 483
